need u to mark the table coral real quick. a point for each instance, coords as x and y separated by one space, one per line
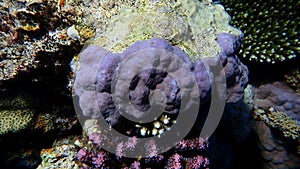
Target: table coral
271 28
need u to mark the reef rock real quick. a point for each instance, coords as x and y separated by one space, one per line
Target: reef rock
279 96
276 152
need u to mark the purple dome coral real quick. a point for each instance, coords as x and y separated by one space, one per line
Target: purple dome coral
98 67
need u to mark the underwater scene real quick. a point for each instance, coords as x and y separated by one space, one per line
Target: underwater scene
149 84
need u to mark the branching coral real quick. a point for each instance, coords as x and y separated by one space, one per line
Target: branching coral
278 106
279 96
293 79
271 28
93 156
288 126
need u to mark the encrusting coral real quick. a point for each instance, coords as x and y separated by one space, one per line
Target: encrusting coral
33 34
276 123
190 25
15 112
62 155
13 121
271 28
276 152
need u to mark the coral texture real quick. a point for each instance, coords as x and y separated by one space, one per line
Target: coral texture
289 127
92 155
235 72
293 79
190 25
13 121
34 35
275 151
271 28
97 66
279 96
19 110
276 114
60 156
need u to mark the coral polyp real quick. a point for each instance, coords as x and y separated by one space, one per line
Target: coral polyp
271 28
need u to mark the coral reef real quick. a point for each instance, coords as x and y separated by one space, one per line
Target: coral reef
275 151
16 101
93 156
190 25
30 123
289 127
40 37
19 111
13 121
276 124
33 35
35 51
279 96
88 153
93 81
271 28
293 79
60 156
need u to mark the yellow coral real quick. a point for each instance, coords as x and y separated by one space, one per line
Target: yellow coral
276 119
288 126
271 28
190 25
44 123
29 27
12 121
85 32
293 79
298 147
